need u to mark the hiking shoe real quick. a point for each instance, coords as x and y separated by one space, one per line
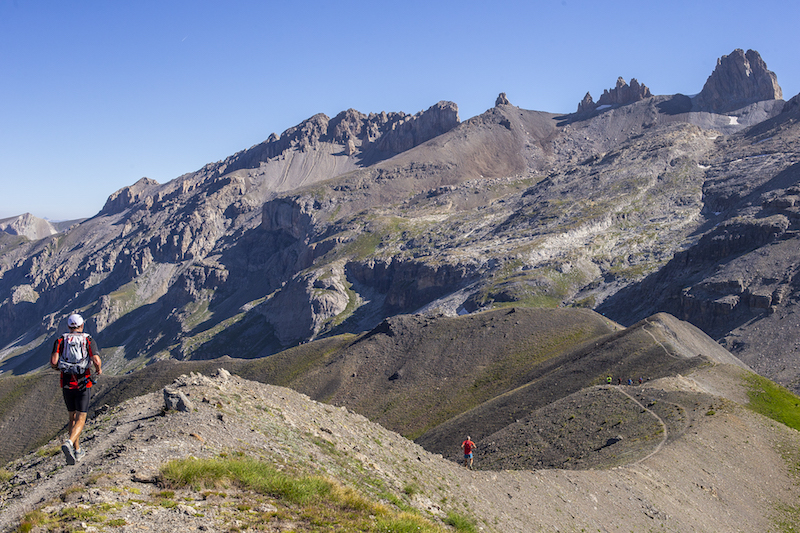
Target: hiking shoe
69 452
79 455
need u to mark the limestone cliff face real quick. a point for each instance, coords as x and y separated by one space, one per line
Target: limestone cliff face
28 226
127 196
740 78
372 136
327 229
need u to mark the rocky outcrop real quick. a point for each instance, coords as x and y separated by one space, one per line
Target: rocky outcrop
621 94
408 285
587 104
624 94
502 99
354 131
792 105
415 130
29 226
307 303
740 78
293 216
735 237
127 196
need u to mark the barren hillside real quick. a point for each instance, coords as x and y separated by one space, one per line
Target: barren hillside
698 478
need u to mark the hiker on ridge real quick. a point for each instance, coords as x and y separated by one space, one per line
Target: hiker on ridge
72 353
468 446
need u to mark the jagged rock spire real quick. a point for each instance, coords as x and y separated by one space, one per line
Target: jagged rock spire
624 94
740 78
587 104
621 94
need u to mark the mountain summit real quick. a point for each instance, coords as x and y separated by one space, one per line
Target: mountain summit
740 78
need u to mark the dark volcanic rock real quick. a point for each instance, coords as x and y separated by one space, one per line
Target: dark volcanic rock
739 79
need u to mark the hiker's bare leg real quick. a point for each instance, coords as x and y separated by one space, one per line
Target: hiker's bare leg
76 422
72 416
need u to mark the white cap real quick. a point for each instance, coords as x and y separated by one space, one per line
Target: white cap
75 320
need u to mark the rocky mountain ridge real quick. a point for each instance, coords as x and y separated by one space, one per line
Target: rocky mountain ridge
330 228
621 94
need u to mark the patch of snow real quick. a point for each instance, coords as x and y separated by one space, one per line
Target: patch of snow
602 107
703 167
733 121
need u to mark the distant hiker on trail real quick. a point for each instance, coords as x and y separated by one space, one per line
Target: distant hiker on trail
468 446
619 381
72 353
608 380
630 381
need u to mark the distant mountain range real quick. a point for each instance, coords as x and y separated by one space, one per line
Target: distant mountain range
633 205
34 228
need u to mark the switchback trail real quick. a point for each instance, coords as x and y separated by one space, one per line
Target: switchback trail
660 421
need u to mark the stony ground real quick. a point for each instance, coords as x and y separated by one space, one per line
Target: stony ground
699 478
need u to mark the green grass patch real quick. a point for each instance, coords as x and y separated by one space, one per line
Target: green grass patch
318 502
34 519
460 523
248 474
788 516
411 489
83 514
773 401
48 451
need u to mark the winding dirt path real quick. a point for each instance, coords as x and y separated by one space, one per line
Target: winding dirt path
58 478
660 421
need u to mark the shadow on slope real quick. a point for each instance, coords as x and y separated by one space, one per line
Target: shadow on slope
656 347
420 376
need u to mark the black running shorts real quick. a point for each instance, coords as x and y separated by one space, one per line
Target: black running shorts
77 400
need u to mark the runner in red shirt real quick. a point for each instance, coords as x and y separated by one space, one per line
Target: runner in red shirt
468 446
75 384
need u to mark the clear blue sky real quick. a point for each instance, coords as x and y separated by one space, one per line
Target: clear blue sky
98 93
